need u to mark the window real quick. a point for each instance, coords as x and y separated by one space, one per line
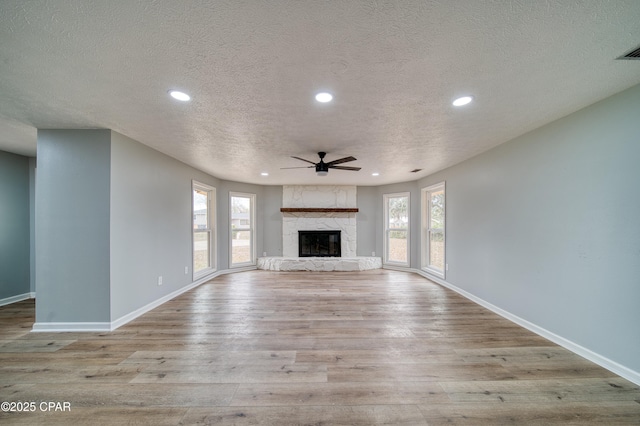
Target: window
396 219
203 209
242 215
433 227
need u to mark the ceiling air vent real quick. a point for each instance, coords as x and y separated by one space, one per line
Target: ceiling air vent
634 54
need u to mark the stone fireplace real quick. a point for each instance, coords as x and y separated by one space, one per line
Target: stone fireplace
319 197
317 210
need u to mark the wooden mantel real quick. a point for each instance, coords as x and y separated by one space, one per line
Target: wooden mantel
317 210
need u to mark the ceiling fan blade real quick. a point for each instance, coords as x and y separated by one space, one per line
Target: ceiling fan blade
355 169
298 158
301 167
340 161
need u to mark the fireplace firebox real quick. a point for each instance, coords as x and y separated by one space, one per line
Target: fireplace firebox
319 243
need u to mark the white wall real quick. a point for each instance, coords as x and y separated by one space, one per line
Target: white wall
547 227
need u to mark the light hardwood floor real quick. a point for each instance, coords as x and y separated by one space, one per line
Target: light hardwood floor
362 348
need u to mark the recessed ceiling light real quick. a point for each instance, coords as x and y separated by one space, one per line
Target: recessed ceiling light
264 174
375 174
181 96
324 97
462 101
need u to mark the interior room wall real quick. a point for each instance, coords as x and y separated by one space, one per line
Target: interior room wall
32 225
546 227
272 219
72 226
151 224
367 203
15 273
113 217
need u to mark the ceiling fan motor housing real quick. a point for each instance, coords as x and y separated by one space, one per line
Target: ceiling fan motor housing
322 167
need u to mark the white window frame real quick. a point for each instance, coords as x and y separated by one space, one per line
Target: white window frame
388 230
251 228
427 230
210 229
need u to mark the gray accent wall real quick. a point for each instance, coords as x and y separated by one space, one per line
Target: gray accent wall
72 226
151 224
368 211
15 234
272 219
113 217
547 227
32 224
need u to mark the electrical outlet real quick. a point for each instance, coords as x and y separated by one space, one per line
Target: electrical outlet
264 254
186 270
160 280
446 267
373 254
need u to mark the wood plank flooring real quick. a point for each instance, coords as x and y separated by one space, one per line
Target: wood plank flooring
272 348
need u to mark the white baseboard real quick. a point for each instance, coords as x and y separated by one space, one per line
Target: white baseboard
614 367
146 308
17 298
398 268
59 327
239 269
110 326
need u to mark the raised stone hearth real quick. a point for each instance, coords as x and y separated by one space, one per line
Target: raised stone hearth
319 263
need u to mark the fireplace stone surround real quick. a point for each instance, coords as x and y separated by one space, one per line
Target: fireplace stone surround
319 208
319 198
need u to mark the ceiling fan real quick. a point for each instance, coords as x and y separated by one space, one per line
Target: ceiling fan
322 168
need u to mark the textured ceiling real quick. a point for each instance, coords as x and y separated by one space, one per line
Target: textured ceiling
252 68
